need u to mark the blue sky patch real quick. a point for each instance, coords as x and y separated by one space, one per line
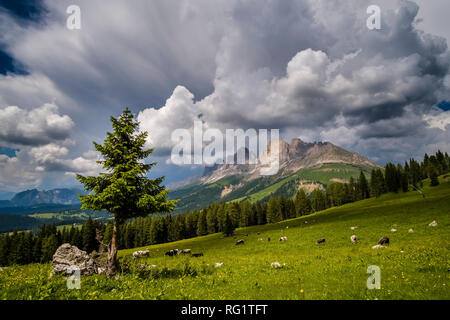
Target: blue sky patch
444 105
8 151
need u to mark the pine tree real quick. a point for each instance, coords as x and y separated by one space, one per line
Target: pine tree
302 203
228 228
260 214
202 228
88 235
246 212
319 200
124 190
363 187
434 180
273 211
49 246
392 178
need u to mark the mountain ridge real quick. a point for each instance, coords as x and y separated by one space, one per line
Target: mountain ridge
31 197
302 165
292 157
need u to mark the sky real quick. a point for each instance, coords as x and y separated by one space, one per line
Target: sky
310 68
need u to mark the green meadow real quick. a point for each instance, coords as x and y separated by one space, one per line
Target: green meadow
414 266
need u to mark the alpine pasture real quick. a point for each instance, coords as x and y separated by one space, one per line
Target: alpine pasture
415 265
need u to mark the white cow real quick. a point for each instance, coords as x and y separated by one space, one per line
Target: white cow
140 254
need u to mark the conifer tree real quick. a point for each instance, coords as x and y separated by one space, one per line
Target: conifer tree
202 228
302 203
273 211
124 190
228 228
434 180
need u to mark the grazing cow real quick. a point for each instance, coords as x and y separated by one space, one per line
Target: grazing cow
353 239
353 228
384 240
321 240
433 224
169 253
275 265
411 230
172 253
283 239
268 239
197 255
140 254
378 246
239 242
186 251
218 264
393 230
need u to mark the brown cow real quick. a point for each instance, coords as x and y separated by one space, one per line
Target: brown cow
197 255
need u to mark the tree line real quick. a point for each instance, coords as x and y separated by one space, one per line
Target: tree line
26 247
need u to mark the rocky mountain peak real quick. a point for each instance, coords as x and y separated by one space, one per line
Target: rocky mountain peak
292 157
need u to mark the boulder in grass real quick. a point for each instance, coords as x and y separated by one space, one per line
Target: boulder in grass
68 258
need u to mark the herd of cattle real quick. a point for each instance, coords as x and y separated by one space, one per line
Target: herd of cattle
175 252
353 239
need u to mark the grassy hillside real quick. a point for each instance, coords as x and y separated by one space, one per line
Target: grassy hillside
414 266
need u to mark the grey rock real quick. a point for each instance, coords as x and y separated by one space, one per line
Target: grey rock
67 258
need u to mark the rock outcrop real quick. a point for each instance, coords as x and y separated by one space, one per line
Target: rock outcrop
68 258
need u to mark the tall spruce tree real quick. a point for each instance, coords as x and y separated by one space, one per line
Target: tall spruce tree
302 203
124 190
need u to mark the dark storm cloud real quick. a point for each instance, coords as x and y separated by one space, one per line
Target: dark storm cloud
310 68
9 65
32 10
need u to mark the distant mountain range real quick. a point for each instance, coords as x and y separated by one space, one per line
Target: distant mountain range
40 197
301 165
